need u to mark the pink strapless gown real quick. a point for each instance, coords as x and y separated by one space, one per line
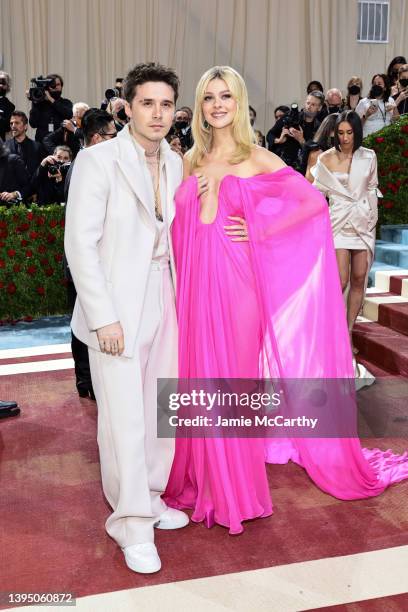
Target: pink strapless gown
270 307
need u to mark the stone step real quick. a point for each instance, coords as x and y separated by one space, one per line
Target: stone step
395 316
380 266
394 233
389 279
385 347
373 303
392 254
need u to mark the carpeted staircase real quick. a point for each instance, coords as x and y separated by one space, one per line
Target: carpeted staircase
381 335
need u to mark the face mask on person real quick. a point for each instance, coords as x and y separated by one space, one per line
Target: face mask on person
121 114
334 109
55 94
310 114
354 90
403 83
180 125
3 90
376 91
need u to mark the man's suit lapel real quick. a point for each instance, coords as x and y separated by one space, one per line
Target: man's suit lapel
129 164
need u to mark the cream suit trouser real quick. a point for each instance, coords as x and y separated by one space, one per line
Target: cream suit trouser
135 464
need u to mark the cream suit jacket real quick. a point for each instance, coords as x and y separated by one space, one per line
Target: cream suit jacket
110 233
356 204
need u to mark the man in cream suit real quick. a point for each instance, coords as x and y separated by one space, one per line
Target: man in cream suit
118 246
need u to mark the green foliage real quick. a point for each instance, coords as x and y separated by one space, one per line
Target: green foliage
391 147
31 271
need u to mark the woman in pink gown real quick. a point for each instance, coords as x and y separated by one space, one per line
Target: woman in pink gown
258 295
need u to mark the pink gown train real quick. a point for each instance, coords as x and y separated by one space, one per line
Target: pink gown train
270 307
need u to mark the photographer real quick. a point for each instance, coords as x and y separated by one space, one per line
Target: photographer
49 180
378 108
48 108
6 107
116 108
400 91
294 129
70 133
182 129
14 178
20 144
334 101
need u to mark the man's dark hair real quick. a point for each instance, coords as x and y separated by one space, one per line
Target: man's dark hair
354 120
20 114
400 59
387 88
283 108
54 75
251 108
313 86
94 121
143 73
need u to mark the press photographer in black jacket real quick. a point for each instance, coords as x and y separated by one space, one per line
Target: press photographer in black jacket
49 180
289 134
48 114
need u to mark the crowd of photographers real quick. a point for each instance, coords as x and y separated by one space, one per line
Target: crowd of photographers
35 170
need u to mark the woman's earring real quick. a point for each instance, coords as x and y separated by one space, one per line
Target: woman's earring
206 125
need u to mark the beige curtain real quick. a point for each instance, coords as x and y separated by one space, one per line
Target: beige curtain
278 45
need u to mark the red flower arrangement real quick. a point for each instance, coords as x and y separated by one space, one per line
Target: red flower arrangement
35 236
392 154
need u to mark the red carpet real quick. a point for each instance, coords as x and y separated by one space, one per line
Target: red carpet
53 512
382 346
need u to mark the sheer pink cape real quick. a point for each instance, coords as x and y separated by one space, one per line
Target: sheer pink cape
302 313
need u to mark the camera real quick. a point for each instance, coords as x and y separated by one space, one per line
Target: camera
292 118
112 93
38 87
58 166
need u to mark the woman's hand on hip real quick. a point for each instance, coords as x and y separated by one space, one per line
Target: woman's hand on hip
239 231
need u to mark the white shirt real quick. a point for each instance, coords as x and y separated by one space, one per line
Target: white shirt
161 245
377 120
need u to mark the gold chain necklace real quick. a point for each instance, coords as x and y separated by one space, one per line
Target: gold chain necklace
156 185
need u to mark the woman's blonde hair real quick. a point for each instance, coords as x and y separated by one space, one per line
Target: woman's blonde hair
242 131
401 69
355 80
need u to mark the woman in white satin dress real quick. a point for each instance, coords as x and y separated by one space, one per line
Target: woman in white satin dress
347 175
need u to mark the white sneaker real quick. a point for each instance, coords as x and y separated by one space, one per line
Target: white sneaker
142 558
172 519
